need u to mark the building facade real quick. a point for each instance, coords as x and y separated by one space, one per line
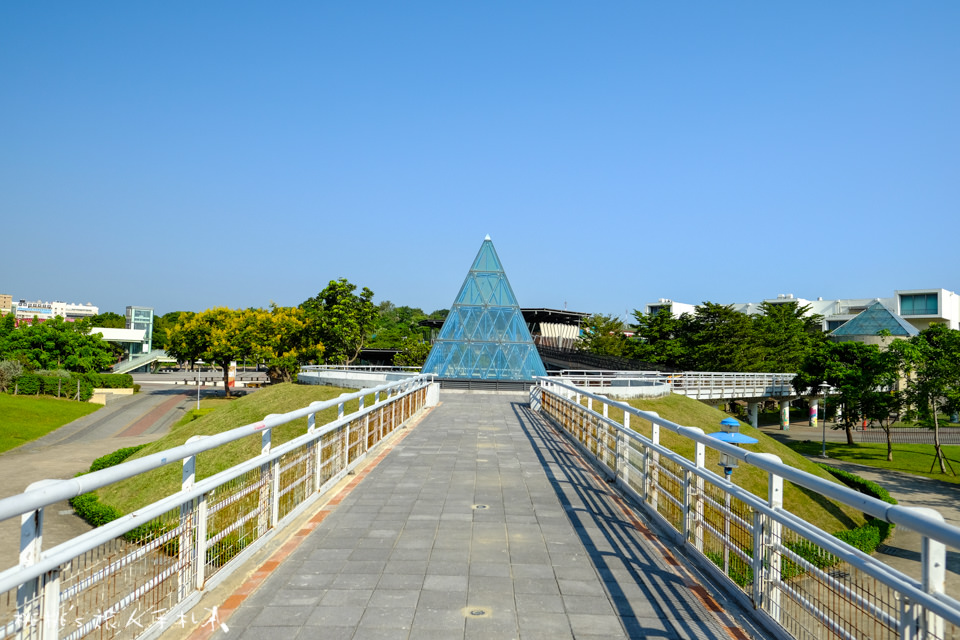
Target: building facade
919 307
70 311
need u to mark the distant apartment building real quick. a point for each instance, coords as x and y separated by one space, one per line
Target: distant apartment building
6 304
919 307
70 311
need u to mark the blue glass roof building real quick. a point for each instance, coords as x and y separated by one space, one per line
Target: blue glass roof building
484 336
873 319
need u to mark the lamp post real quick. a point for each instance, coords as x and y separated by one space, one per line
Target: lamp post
824 388
198 385
731 435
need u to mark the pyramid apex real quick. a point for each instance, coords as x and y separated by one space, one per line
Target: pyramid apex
487 239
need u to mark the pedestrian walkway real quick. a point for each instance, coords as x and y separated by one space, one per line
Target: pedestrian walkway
482 522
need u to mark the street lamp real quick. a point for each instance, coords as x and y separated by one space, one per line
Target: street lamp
824 388
730 434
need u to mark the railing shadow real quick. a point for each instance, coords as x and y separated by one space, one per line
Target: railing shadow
590 507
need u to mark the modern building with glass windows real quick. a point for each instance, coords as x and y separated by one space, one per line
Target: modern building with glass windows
485 337
141 318
919 307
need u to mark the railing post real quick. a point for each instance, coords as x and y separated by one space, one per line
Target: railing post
693 500
316 449
766 556
38 601
623 454
266 501
653 469
933 555
190 543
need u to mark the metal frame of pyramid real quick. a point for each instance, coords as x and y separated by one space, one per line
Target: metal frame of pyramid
484 336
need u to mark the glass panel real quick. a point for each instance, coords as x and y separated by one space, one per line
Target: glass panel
484 336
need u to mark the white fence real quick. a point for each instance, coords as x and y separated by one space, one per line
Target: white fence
802 582
699 385
143 572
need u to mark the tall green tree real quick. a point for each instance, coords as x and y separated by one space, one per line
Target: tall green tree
721 339
57 344
284 342
785 335
341 320
109 320
931 361
659 338
860 375
603 335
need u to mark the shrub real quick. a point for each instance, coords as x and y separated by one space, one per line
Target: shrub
88 505
10 370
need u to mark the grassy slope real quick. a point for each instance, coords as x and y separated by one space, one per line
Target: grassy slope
26 418
813 508
147 488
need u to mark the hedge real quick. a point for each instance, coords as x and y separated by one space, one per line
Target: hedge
88 505
31 384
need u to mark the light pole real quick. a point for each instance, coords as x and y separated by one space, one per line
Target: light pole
198 386
824 388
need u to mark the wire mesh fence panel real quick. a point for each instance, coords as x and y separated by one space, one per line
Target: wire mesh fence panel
127 584
819 596
728 535
296 478
236 515
354 440
670 492
21 612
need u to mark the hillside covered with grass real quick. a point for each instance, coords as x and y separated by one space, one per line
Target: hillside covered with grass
26 418
146 488
812 507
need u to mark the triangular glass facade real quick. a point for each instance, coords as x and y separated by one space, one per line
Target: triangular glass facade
873 319
484 337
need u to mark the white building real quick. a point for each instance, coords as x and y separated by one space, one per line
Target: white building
919 307
25 310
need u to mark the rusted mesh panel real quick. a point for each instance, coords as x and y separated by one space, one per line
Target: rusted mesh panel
127 584
819 596
668 479
728 534
296 478
237 514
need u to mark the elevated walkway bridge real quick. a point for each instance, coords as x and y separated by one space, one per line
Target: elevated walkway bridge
406 512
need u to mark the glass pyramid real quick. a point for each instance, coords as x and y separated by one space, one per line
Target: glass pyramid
873 319
484 337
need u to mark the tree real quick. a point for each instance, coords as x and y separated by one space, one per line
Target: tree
109 320
57 344
603 335
659 338
283 342
341 320
859 374
413 352
720 339
931 361
785 335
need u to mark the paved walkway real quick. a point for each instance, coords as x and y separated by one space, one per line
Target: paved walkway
481 523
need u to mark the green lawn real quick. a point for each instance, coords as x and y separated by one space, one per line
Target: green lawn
26 418
908 458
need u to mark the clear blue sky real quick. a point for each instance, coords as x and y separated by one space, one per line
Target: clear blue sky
188 155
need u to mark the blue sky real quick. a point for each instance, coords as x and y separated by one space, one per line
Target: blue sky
190 155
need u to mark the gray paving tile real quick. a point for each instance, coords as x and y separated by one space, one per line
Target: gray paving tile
406 555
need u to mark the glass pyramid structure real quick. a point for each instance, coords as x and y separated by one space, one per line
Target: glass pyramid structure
485 337
873 319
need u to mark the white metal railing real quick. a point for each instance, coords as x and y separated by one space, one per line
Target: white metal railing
144 571
350 367
701 385
803 582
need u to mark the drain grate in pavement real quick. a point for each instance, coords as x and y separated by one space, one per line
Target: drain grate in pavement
475 612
